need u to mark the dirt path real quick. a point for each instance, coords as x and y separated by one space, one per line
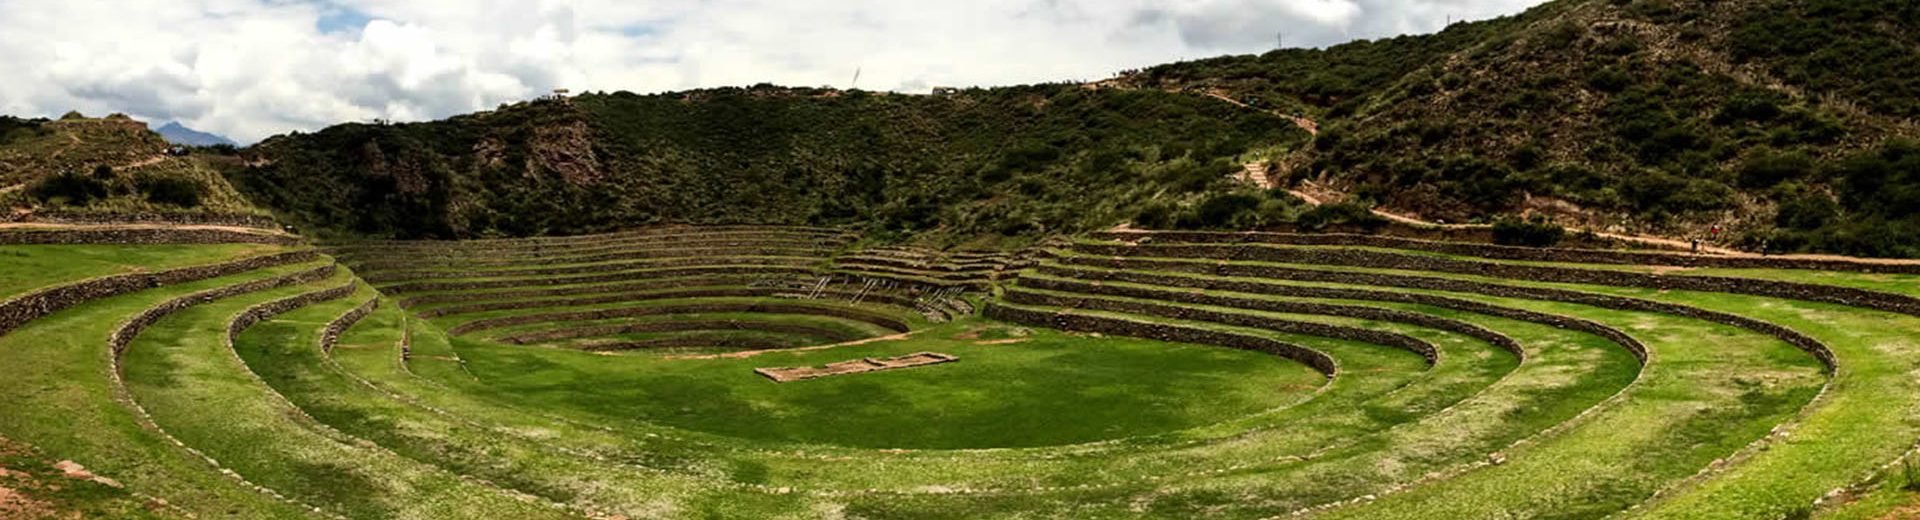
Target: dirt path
1311 126
150 161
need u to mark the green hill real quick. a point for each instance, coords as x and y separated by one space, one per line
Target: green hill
1781 122
114 166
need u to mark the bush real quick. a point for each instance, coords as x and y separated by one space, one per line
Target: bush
1769 169
1536 232
69 188
1228 211
173 191
1155 216
1345 213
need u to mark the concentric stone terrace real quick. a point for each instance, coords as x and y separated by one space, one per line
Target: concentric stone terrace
1119 375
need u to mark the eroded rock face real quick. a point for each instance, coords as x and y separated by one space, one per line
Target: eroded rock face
565 150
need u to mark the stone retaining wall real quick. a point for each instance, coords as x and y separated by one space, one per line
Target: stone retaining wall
1801 341
330 336
21 309
1497 339
55 217
577 291
691 308
498 248
741 292
140 236
670 229
1631 345
409 276
411 264
1385 260
1500 252
1319 361
688 342
123 337
458 255
266 311
1426 350
568 333
415 287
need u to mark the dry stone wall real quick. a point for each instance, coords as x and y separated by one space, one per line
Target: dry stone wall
1319 361
1426 350
652 274
1633 346
1532 254
1386 260
691 308
124 336
141 236
19 310
399 276
331 335
1293 307
567 333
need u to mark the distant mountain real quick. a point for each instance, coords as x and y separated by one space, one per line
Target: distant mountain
177 134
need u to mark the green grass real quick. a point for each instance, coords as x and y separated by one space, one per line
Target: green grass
1052 389
58 397
1050 425
185 374
41 266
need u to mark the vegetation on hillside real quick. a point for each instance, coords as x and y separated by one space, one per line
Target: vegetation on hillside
1643 115
1013 161
107 166
1747 117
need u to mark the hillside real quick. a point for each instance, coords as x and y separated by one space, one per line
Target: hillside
1783 121
1012 161
112 167
1760 124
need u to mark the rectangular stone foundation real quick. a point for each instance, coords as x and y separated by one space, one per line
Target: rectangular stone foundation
857 366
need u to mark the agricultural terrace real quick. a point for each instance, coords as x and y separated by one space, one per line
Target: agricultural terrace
1113 375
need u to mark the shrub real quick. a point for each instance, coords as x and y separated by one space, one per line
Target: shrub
1807 212
1345 213
69 188
1157 215
172 191
1610 80
1535 232
1228 211
1769 169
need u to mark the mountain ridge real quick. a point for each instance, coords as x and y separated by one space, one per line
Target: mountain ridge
179 134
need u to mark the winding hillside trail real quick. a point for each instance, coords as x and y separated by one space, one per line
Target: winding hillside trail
1311 126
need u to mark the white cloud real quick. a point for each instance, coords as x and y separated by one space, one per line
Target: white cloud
252 68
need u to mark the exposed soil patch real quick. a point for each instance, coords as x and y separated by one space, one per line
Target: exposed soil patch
857 366
752 353
1008 341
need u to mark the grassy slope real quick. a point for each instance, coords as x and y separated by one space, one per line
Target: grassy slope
41 266
59 399
183 364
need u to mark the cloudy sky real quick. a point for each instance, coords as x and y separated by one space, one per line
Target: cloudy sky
253 68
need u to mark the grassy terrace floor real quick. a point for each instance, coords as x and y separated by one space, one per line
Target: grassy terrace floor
1533 405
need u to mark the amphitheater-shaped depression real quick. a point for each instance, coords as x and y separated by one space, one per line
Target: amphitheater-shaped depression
1119 374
